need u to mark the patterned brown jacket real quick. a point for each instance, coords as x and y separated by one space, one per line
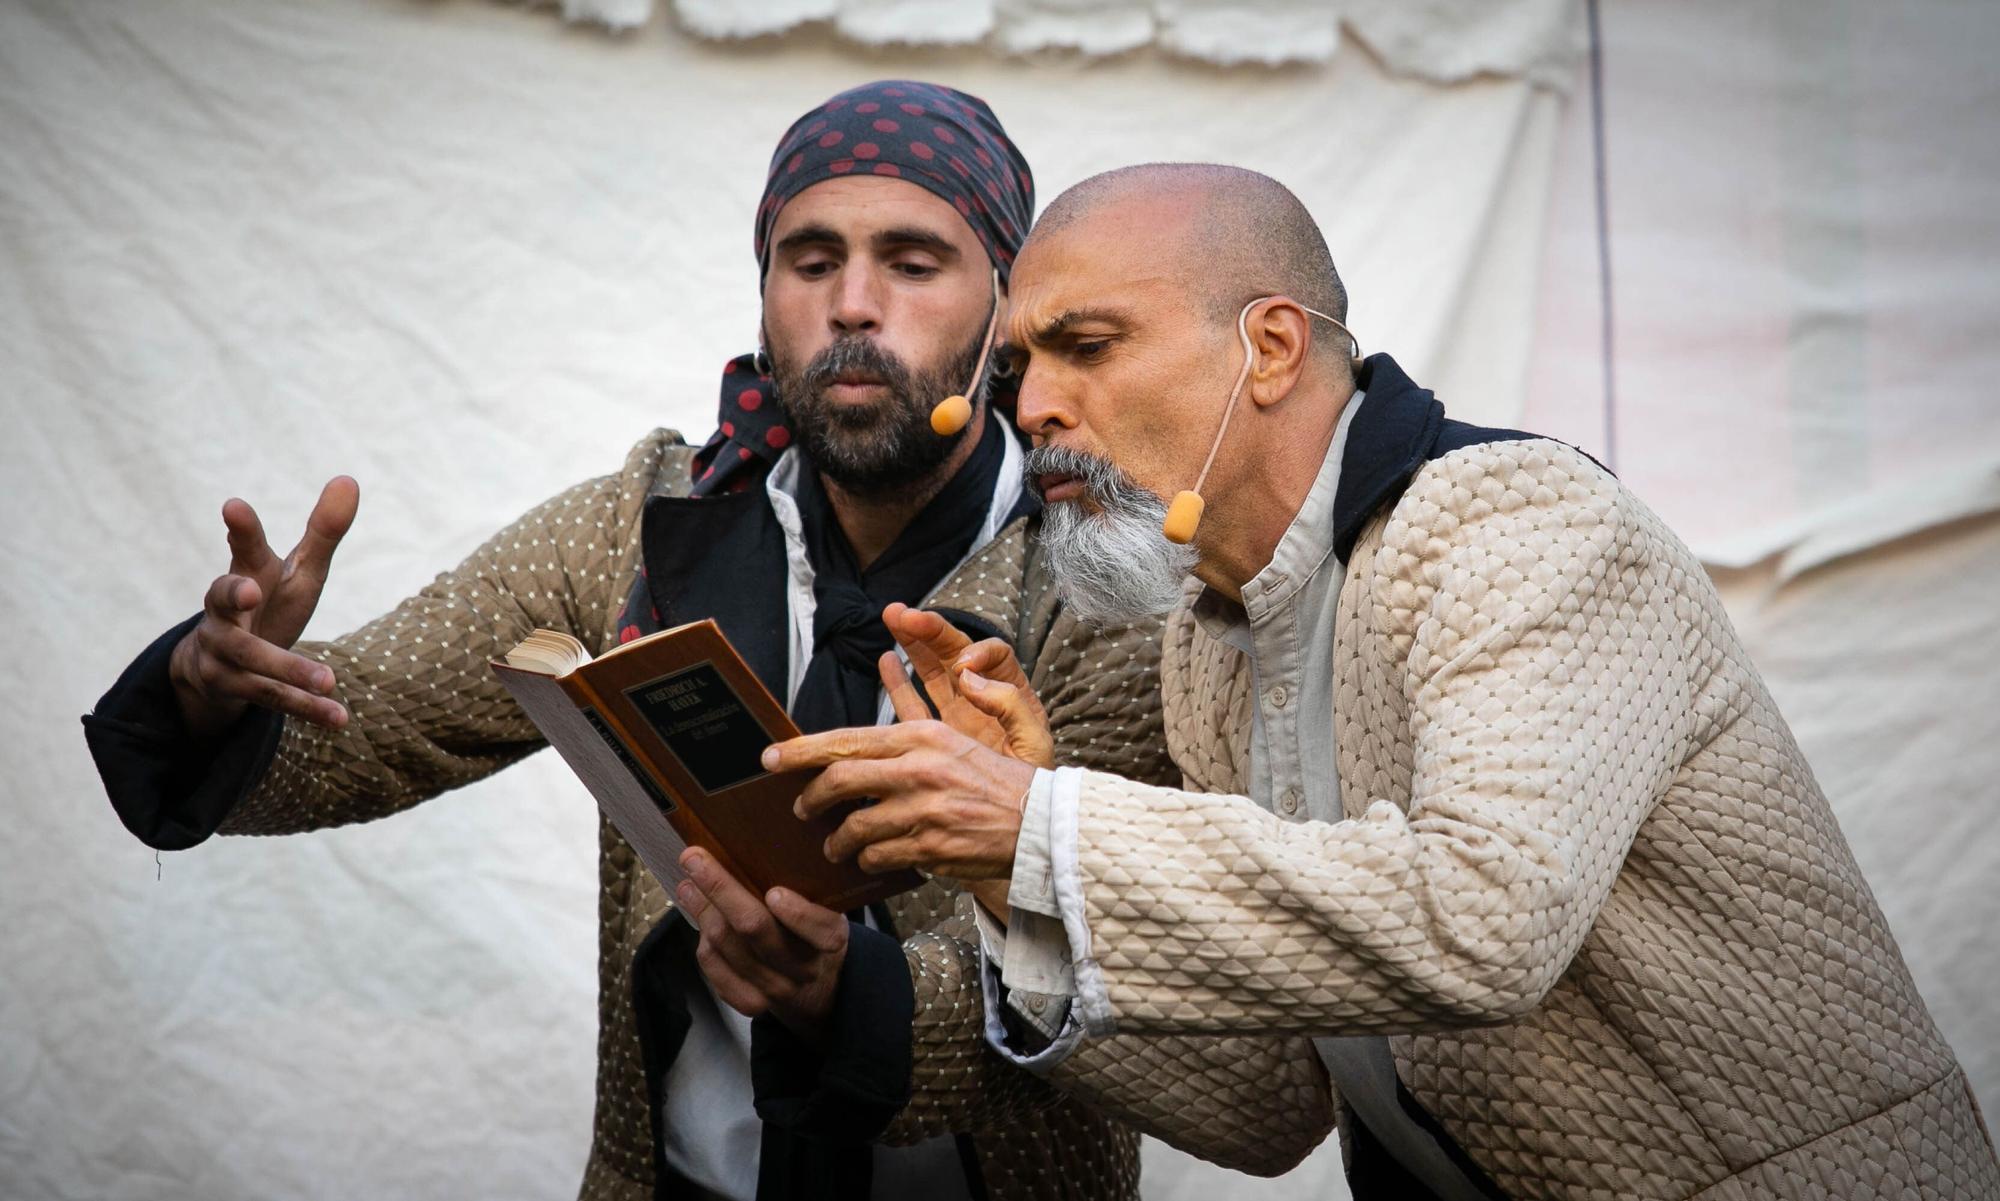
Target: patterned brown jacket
428 716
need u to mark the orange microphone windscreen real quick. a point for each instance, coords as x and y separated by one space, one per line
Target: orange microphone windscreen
951 416
954 413
1182 517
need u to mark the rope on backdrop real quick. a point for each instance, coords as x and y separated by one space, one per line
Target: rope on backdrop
1603 234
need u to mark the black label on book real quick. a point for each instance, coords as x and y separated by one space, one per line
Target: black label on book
705 724
617 745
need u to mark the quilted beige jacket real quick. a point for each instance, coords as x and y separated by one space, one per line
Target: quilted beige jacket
429 716
1586 880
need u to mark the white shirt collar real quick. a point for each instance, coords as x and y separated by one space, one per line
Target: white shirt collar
1301 553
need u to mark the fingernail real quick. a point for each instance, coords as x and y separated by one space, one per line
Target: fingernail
799 811
769 758
775 897
685 892
972 678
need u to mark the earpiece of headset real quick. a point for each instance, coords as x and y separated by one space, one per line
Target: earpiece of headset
1184 514
953 413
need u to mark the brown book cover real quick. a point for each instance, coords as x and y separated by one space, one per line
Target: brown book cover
666 732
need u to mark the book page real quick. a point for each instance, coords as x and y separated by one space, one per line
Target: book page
626 796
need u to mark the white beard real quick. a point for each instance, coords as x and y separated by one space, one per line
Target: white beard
1113 567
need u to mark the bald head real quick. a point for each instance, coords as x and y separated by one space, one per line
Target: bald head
1230 233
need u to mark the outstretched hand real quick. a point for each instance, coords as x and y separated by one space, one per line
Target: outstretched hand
240 654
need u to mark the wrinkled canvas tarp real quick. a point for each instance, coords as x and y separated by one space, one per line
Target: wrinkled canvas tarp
1805 206
1445 41
468 253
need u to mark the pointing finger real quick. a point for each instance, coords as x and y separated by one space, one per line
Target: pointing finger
831 746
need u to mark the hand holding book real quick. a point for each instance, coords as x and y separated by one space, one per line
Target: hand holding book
665 731
778 954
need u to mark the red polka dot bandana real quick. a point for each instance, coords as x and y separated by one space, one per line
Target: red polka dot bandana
750 433
938 138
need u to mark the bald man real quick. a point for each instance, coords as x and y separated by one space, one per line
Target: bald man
1481 788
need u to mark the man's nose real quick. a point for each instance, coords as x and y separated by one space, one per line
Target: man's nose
857 303
1040 408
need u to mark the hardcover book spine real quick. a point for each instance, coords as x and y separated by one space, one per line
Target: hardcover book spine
666 803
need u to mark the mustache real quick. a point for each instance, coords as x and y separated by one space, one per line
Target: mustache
1110 487
856 354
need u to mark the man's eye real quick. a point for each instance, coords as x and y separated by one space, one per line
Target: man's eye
1090 352
916 270
814 268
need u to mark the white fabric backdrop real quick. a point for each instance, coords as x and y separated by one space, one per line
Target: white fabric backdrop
1805 206
469 254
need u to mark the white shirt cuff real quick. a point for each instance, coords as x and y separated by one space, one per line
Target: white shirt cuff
1032 886
1093 1003
1052 1017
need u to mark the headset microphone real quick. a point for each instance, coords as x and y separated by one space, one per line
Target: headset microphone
1184 514
954 412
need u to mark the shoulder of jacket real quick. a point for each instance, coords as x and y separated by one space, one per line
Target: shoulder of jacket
1530 477
658 463
990 584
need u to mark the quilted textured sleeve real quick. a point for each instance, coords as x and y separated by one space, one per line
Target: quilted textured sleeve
1253 1104
1256 1105
427 713
1518 598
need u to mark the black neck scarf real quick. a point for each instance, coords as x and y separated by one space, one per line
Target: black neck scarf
842 685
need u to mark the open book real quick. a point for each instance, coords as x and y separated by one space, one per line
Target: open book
666 731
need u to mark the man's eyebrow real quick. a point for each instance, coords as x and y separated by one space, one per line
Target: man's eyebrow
915 237
810 235
1059 326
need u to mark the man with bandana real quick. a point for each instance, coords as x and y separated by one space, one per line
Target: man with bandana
884 239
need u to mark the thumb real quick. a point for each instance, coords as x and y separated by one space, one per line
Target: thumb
1027 730
328 523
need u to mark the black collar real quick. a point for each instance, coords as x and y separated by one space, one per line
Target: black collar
1399 428
1390 438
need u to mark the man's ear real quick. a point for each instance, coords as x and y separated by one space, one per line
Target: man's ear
1280 338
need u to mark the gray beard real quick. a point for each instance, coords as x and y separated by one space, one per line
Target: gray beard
1113 567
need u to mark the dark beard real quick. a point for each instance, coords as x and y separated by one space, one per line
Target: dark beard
886 449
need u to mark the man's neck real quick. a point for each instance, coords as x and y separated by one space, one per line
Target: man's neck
1238 537
873 523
